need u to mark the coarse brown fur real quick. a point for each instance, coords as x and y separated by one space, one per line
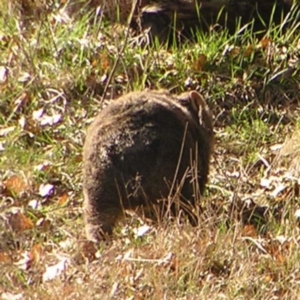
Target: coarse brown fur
179 19
141 149
173 21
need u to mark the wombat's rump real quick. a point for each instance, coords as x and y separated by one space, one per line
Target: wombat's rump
137 148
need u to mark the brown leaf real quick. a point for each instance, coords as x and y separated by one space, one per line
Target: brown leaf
249 50
29 258
88 250
15 185
44 223
279 257
296 189
249 230
63 199
36 253
103 61
264 43
268 278
5 257
199 63
235 52
19 222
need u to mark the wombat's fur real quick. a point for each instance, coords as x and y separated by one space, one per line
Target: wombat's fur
177 20
137 148
181 18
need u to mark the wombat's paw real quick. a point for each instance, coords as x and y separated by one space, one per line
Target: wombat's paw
97 233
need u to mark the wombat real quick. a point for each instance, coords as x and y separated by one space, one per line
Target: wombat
142 150
180 19
171 21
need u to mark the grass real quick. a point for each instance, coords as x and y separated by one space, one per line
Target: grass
53 74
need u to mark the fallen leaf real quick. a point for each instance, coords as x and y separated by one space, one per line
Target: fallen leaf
46 190
276 147
282 239
25 262
66 244
234 52
37 114
19 222
250 231
62 15
104 62
141 231
7 130
62 200
15 185
33 204
3 74
55 270
268 278
4 39
22 122
43 119
5 257
25 77
103 78
200 62
264 43
114 289
296 189
281 187
44 223
50 120
10 296
266 182
30 257
36 253
42 167
249 50
297 215
21 100
89 250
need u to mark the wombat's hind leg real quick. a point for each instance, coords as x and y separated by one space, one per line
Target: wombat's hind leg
99 225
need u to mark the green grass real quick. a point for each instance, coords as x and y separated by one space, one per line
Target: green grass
62 68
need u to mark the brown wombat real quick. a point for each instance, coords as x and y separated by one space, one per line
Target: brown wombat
142 148
180 19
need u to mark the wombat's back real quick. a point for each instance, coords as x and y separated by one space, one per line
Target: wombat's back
135 148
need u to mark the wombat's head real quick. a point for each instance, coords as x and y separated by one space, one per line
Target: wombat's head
199 110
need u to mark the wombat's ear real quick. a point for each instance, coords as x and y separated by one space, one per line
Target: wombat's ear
197 101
